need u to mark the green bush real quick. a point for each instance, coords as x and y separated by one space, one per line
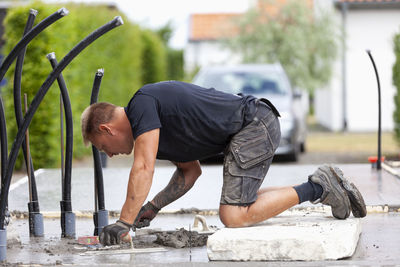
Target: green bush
153 58
396 82
119 52
175 64
174 56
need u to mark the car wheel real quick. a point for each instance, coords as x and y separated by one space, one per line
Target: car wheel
303 147
294 155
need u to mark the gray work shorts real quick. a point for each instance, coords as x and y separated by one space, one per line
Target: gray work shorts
248 157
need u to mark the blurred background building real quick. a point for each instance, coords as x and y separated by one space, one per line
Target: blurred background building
349 101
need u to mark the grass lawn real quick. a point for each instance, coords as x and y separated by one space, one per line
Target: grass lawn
342 142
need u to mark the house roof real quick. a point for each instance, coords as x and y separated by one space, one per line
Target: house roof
368 1
368 4
212 26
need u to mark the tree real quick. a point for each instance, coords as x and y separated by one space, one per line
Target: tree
396 83
290 33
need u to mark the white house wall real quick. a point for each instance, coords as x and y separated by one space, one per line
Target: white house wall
206 53
374 30
328 102
366 29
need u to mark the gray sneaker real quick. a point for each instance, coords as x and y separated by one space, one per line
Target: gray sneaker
333 193
356 199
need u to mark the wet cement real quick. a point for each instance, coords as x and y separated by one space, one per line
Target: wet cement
52 249
181 239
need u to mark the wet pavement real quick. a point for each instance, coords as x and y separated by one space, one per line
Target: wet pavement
378 188
379 243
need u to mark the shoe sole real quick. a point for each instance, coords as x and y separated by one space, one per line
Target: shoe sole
358 206
336 185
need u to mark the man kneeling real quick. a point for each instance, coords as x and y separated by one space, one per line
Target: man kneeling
185 123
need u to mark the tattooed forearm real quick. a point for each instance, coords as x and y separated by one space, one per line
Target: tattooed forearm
174 190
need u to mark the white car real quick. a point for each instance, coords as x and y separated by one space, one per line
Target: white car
264 81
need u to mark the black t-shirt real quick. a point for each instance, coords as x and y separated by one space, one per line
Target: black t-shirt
194 122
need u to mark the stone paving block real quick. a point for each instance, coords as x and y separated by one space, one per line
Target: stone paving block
288 237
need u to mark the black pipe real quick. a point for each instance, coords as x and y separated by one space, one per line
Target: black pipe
4 156
62 147
28 37
4 143
100 215
33 204
37 100
379 161
5 65
66 194
96 86
98 173
65 203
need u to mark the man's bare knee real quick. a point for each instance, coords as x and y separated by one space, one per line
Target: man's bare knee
232 216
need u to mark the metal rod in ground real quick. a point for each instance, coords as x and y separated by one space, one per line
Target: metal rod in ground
36 227
190 243
379 161
100 216
28 166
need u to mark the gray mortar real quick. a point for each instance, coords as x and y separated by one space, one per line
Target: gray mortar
181 238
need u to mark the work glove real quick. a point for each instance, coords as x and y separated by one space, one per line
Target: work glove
145 215
114 233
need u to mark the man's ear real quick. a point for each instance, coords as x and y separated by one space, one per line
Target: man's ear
106 129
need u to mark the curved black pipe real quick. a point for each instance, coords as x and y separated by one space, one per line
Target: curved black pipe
3 142
4 156
28 37
69 129
38 99
98 172
34 204
5 65
379 161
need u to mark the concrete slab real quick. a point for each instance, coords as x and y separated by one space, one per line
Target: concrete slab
288 237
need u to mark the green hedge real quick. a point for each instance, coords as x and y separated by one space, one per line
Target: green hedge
175 64
120 52
153 58
396 82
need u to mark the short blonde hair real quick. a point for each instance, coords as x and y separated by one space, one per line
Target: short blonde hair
93 116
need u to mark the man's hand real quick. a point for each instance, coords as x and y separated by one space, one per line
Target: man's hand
115 233
145 215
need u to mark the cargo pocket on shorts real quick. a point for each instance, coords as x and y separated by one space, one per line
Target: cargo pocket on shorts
249 148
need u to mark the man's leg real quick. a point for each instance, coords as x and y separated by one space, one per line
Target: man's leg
269 203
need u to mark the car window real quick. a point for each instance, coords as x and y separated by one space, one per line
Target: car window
246 82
